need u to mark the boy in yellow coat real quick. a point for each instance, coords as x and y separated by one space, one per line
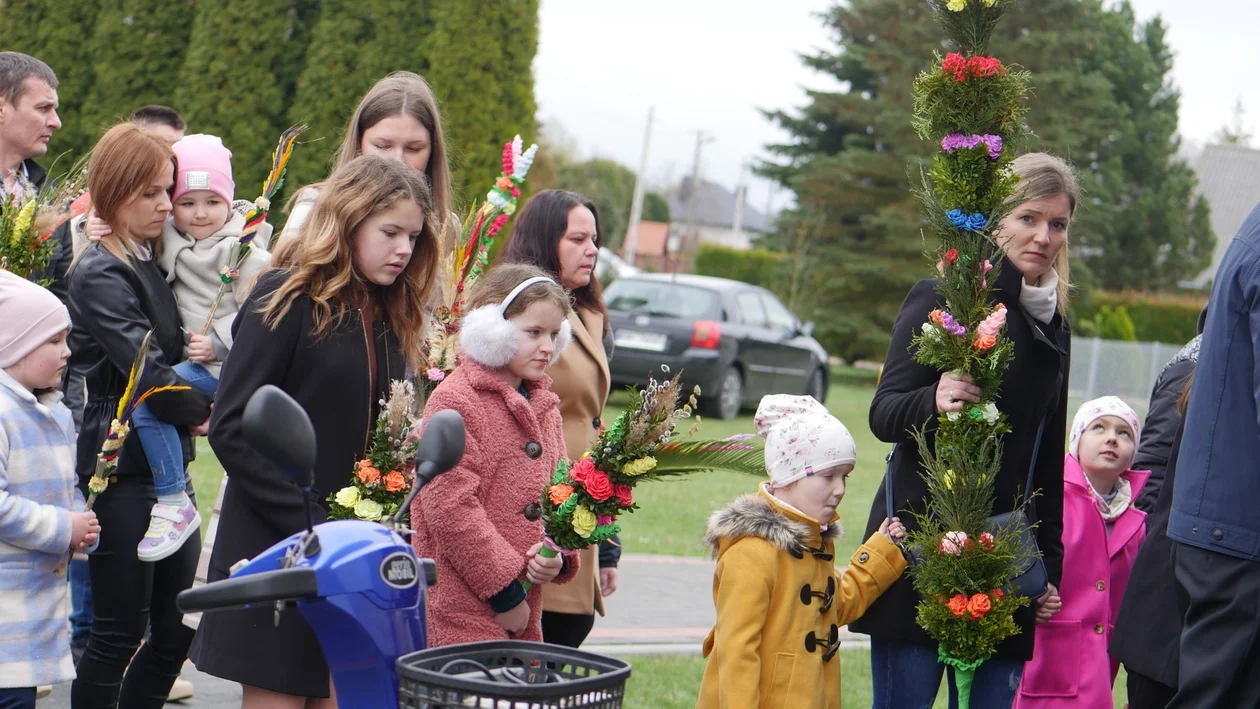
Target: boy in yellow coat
780 599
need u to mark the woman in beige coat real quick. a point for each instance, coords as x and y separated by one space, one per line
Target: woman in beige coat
558 231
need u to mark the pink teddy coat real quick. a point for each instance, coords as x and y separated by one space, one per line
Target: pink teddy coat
1070 665
472 519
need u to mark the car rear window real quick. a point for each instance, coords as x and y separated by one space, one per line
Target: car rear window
662 299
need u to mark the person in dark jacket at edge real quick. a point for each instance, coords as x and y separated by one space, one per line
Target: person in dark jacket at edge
1032 283
1213 520
1147 636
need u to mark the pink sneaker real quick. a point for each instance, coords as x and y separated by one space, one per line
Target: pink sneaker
169 528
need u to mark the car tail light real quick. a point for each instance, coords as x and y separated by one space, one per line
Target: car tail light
706 334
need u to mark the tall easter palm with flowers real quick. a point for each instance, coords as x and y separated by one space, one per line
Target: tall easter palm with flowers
969 104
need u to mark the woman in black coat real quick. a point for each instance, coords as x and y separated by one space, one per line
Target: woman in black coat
117 296
1033 395
332 331
1147 636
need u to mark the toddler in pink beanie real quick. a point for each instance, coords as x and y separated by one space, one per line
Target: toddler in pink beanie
38 525
198 242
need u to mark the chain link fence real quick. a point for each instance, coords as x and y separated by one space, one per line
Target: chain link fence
1124 369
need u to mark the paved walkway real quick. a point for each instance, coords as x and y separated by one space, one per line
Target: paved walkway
663 605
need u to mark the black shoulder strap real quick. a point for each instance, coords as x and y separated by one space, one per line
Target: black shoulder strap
891 506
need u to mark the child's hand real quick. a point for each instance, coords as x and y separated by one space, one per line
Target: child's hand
95 228
83 529
200 348
1048 604
542 569
893 529
514 621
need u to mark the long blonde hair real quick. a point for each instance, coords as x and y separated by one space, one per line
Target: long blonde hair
324 267
126 159
1043 175
400 93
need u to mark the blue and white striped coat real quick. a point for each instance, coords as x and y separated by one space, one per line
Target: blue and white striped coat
37 492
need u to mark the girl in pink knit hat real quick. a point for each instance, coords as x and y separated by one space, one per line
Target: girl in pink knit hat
197 244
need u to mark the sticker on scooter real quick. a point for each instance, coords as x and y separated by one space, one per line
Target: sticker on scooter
399 570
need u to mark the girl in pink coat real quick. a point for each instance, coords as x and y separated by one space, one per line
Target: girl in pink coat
1102 532
482 521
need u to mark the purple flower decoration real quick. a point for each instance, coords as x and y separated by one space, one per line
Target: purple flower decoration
603 520
958 141
952 326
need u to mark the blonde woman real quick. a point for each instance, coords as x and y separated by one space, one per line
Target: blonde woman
332 330
1033 284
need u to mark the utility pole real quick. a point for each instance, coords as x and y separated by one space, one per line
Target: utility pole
690 238
636 206
741 196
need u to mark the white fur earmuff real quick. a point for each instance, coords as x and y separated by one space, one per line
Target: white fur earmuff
490 339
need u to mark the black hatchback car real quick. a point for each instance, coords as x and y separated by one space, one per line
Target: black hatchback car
735 340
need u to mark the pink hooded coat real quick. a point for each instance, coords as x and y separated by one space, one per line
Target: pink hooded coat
471 520
1070 665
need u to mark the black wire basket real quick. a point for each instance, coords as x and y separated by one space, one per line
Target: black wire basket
510 674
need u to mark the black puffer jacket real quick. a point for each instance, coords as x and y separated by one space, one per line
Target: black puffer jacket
1034 389
113 305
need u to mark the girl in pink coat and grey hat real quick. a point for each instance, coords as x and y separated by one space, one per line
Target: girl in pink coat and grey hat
1102 532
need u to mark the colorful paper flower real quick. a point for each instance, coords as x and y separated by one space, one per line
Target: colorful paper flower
583 521
985 342
625 495
997 593
952 326
951 256
990 413
932 332
584 468
639 467
958 605
394 482
368 509
955 64
959 141
367 474
97 485
598 485
979 605
937 316
948 479
977 221
953 542
603 520
435 375
986 541
559 493
956 5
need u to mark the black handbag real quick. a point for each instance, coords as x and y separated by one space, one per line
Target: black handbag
1031 579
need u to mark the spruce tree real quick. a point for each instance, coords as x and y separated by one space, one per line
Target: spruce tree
61 33
136 48
17 20
329 86
237 78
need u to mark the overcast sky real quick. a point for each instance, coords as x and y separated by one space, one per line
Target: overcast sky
710 64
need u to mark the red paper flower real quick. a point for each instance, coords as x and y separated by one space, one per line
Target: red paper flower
584 468
625 495
997 593
958 605
951 256
986 541
598 485
956 65
977 606
984 66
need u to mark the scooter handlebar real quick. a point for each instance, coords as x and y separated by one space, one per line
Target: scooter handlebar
280 585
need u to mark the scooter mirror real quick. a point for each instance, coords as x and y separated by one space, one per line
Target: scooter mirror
442 443
441 448
279 429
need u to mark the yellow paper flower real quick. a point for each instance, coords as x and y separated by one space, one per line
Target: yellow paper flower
347 496
583 521
639 467
987 3
949 479
957 5
97 485
23 220
368 509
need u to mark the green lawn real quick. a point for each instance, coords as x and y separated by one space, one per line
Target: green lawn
673 682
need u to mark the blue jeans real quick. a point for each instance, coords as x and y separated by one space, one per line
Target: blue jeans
81 602
17 698
161 441
908 676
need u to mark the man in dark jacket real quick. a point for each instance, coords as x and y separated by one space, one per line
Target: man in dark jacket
1217 489
28 118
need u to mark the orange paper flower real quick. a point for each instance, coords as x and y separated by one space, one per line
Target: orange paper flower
985 342
559 493
958 605
394 481
977 606
367 473
997 594
937 317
